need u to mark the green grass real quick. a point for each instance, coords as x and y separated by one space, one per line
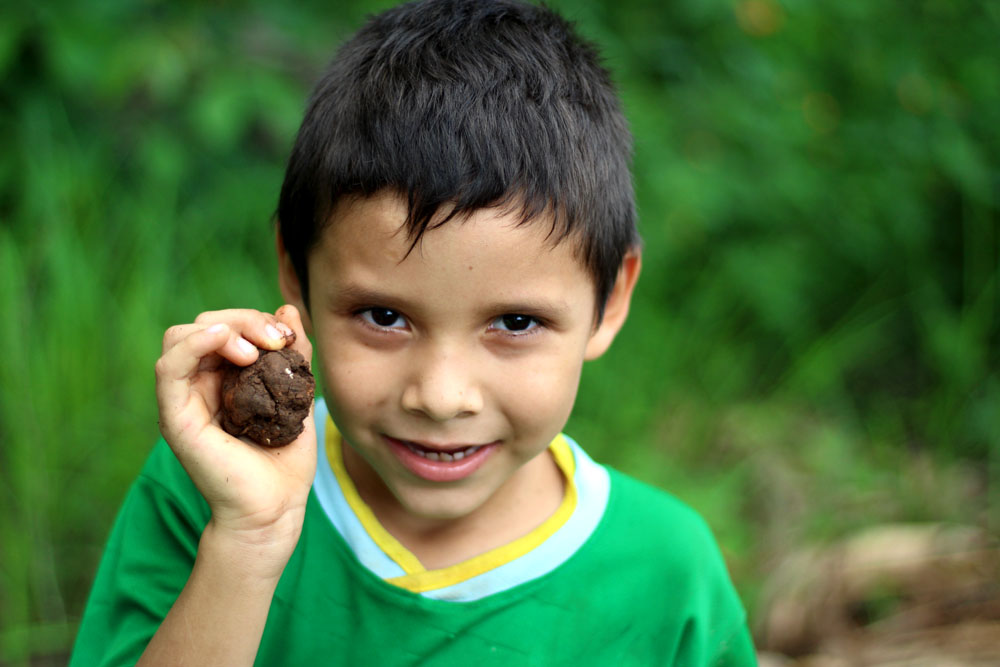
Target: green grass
814 342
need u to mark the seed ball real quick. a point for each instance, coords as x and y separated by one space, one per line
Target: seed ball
268 400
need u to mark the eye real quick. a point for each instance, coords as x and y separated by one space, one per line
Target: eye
515 323
383 318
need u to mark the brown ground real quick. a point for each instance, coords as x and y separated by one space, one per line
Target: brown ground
915 595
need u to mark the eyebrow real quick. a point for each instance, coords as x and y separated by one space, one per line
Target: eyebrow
538 307
357 295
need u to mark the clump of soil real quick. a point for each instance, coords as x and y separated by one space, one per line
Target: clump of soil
268 400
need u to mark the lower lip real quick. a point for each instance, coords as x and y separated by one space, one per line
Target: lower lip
439 471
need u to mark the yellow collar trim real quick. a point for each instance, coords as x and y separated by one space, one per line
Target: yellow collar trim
419 579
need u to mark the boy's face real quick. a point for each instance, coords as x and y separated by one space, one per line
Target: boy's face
449 369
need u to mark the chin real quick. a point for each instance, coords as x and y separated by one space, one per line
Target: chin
439 509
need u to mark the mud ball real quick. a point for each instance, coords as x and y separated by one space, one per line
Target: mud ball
268 400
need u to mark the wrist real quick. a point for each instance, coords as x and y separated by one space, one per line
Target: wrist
260 553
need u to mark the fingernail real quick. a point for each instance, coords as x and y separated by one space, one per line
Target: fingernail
245 346
286 330
271 332
215 328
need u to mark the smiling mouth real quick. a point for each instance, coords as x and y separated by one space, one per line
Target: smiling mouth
438 455
441 463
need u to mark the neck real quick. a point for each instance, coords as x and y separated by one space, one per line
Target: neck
522 504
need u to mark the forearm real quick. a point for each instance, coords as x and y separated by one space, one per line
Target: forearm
219 616
257 495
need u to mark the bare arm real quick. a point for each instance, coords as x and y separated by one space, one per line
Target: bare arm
219 617
257 495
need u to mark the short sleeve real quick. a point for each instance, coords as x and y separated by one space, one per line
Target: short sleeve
682 594
717 633
720 610
146 563
737 651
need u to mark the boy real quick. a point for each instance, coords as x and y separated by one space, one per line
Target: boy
457 234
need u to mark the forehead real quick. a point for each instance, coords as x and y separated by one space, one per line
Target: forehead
372 231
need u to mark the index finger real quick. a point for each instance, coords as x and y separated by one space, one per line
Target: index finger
180 363
289 316
261 329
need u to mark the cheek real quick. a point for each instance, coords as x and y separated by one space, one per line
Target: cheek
353 375
541 393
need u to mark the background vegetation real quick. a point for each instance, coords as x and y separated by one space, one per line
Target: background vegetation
815 341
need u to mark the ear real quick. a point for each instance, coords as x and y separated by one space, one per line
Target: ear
289 283
616 308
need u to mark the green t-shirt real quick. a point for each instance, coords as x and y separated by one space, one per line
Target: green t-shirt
646 587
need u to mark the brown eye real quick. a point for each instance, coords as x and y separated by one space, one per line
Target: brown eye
385 318
515 323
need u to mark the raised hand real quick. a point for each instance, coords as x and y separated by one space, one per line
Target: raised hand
257 494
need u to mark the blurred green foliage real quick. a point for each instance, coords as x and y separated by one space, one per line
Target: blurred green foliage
814 344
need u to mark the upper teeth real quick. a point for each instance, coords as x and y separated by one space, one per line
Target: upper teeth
442 456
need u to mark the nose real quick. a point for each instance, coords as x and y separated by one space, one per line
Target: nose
442 387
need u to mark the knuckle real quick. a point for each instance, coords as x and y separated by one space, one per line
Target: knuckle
171 335
174 331
161 367
213 316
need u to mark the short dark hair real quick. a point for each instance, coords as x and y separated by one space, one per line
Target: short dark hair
469 104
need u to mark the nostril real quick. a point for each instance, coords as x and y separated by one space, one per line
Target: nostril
441 403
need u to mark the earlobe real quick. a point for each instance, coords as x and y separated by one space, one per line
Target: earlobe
616 308
288 281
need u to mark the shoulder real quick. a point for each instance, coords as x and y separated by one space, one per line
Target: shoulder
146 561
665 542
633 518
661 518
163 471
164 497
674 554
